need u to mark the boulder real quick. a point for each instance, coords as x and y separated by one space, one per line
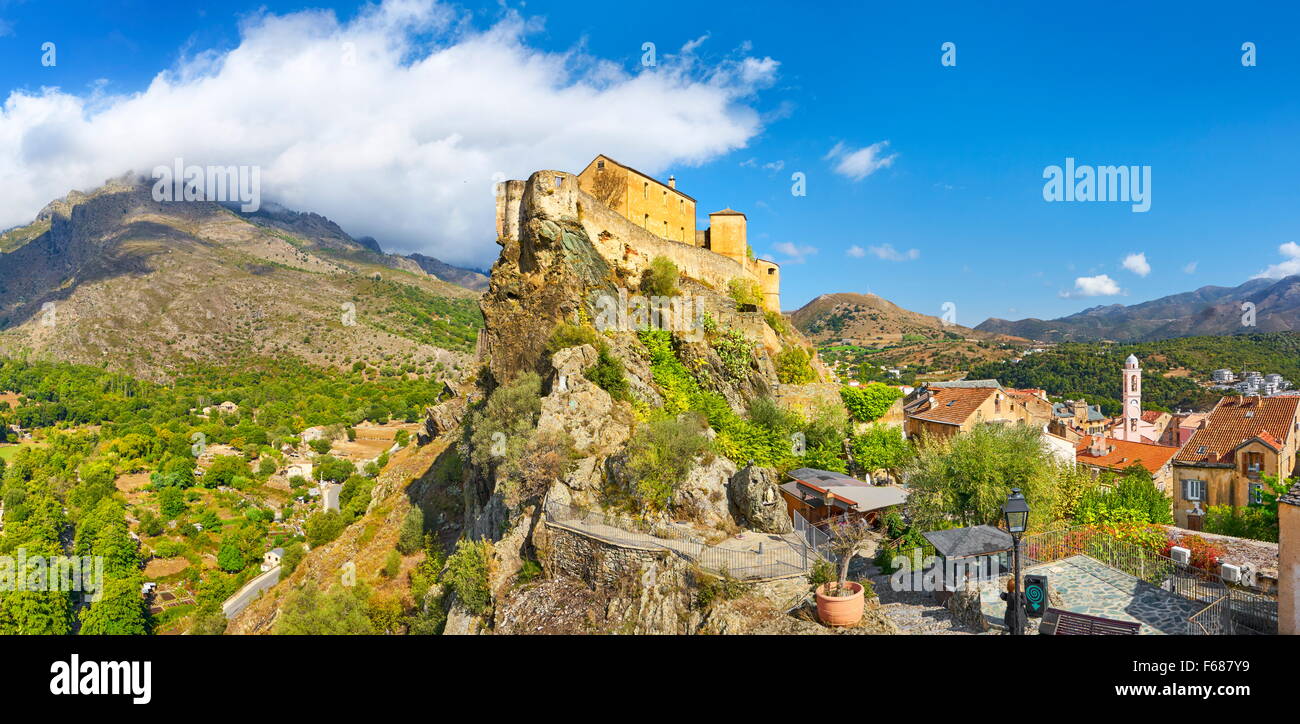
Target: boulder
757 500
702 496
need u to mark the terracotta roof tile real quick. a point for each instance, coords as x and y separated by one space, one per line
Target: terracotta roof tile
953 405
1123 453
1234 421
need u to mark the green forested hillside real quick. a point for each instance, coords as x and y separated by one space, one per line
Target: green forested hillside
1172 368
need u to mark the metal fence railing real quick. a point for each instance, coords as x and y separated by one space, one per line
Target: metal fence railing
768 557
1247 611
1213 620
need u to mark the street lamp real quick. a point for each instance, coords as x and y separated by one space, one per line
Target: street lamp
1016 515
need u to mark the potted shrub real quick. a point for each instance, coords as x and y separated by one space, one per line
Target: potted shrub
840 602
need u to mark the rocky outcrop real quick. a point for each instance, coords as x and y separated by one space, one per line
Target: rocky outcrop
547 269
757 502
443 418
577 407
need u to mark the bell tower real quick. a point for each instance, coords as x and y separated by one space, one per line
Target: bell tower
1132 414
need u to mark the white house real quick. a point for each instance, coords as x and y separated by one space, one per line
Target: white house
271 559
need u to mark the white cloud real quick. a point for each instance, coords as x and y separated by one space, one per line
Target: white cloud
889 253
794 253
691 45
774 166
1137 263
1291 265
861 163
1098 286
401 145
856 251
1190 268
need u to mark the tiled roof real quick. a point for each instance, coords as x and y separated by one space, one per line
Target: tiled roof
1292 496
953 405
726 212
1151 415
965 383
1238 419
1123 453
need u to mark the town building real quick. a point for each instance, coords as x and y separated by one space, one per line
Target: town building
1133 426
1073 419
1112 455
939 410
819 495
1241 440
272 558
1288 564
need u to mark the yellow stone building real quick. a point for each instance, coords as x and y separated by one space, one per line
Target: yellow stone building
666 212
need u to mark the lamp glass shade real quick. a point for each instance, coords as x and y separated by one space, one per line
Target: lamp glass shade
1016 512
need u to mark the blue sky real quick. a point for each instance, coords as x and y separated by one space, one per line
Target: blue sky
1161 86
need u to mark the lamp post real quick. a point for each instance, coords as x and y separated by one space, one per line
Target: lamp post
1016 515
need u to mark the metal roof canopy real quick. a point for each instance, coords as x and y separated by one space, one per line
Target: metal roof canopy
979 540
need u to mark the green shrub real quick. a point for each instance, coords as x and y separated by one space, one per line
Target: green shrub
320 446
870 401
468 569
411 536
499 429
660 278
392 565
566 335
711 589
821 572
321 528
793 366
776 322
660 454
608 373
745 291
736 352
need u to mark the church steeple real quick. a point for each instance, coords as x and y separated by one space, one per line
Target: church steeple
1132 414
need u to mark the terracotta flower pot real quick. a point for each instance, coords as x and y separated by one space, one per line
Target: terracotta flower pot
843 610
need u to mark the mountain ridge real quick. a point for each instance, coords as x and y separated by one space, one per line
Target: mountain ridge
1208 310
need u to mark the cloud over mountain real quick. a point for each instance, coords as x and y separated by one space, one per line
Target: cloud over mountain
395 123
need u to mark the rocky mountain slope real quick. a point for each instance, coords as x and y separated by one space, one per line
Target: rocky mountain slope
1206 311
869 320
468 278
113 277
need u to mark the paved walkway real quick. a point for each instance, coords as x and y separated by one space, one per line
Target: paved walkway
749 556
1093 588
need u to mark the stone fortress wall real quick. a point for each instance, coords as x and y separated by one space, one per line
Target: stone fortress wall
625 243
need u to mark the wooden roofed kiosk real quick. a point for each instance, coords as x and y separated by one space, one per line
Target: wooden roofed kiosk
980 550
819 495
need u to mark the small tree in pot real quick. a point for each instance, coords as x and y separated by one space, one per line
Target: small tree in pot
840 602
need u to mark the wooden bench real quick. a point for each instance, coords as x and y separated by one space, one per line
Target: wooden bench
1068 623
